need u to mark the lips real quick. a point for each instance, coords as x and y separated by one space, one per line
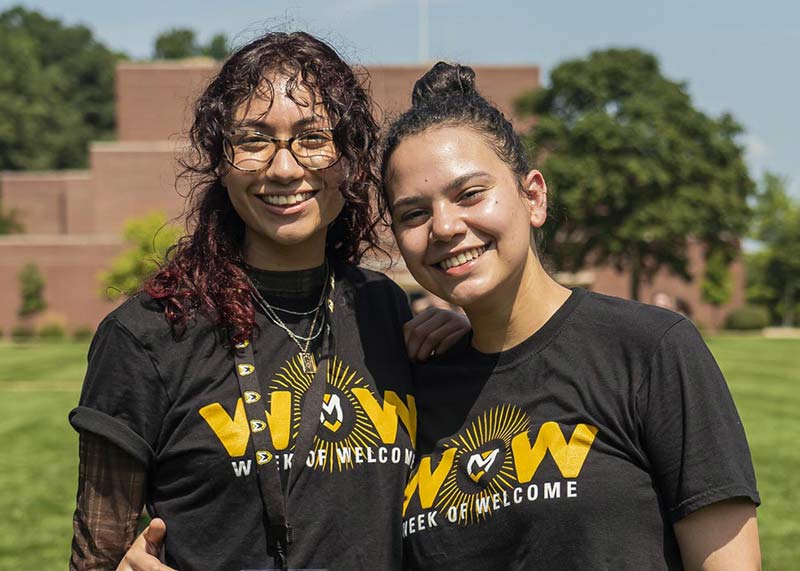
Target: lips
286 199
461 258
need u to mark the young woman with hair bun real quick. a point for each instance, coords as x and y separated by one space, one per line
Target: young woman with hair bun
256 395
570 430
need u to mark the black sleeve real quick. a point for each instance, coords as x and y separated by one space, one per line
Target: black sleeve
123 396
692 434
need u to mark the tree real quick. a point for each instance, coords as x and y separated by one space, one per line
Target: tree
636 172
31 286
218 47
149 239
56 92
176 43
773 271
179 43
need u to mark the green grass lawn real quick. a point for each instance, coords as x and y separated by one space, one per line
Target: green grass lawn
39 384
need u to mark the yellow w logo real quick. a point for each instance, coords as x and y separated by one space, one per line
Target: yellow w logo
568 457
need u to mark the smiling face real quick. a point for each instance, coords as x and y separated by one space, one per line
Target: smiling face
461 220
286 208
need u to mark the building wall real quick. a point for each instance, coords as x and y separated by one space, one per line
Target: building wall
687 295
53 202
133 179
74 219
392 85
154 99
70 267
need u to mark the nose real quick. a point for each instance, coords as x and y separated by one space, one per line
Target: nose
446 222
284 168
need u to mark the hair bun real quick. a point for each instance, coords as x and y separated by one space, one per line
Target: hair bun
443 79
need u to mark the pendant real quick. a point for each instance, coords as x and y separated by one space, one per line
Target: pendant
307 363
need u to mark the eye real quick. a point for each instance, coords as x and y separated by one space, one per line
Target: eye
413 217
251 141
471 195
315 139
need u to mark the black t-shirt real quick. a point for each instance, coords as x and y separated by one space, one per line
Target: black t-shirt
175 405
577 449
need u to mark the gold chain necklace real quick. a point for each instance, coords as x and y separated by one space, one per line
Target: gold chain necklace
307 361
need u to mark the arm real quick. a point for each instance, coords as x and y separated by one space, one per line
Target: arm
111 486
720 537
698 455
433 331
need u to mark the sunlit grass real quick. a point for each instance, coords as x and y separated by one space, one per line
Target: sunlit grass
40 383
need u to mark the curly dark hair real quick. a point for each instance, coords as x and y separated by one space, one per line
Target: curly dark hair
204 271
446 96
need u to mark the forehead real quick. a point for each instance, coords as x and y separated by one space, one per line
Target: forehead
281 99
436 156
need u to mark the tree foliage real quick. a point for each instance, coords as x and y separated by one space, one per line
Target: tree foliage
773 271
178 43
148 238
636 172
56 91
8 222
31 288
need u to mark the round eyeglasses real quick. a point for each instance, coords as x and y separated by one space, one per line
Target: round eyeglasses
251 151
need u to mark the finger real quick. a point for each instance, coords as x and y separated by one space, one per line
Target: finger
138 559
451 340
431 342
455 326
415 330
154 536
144 553
417 320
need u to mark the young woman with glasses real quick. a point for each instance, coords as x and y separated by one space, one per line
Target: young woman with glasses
570 430
259 383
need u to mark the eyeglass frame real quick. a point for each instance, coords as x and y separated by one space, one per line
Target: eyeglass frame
281 144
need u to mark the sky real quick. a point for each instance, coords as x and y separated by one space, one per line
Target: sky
734 56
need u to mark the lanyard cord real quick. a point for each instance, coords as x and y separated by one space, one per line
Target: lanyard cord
273 498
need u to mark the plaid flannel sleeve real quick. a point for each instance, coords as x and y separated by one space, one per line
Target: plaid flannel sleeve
111 486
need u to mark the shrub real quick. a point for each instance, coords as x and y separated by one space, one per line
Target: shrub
149 239
52 332
21 333
31 286
746 318
82 333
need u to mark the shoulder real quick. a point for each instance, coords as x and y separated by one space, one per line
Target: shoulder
359 275
373 295
142 318
625 320
367 281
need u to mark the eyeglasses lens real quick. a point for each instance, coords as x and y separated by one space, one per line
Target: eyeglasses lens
314 150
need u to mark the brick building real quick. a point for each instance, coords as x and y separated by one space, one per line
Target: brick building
73 219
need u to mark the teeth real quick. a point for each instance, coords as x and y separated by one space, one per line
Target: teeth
284 200
461 258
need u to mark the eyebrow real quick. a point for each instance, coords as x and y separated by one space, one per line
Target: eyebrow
300 125
454 184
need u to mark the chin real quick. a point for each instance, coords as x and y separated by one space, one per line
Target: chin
464 294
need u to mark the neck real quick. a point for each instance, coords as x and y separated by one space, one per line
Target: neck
265 254
508 317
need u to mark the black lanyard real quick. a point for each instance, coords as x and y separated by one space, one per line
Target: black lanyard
273 497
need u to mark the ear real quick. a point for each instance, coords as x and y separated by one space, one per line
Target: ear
536 193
